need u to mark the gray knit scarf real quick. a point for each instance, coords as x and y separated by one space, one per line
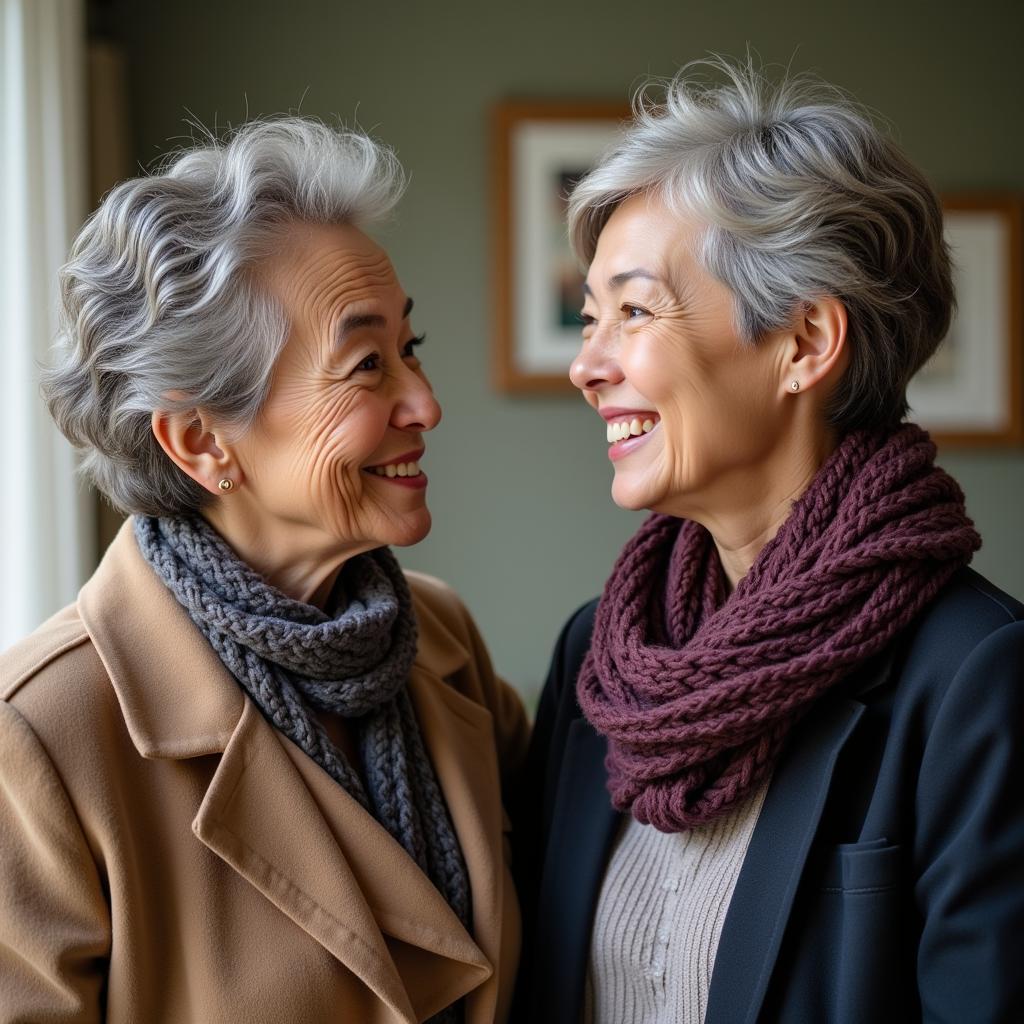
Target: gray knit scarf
292 658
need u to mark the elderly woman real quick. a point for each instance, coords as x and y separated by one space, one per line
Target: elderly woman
255 772
776 767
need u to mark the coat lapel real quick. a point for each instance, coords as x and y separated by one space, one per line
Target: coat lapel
583 828
260 818
283 824
459 737
767 885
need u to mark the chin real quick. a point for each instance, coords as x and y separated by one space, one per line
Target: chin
410 532
632 499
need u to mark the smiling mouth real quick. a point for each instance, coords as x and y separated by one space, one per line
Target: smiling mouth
396 469
634 426
403 469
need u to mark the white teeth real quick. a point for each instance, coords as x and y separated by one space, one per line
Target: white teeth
622 429
397 469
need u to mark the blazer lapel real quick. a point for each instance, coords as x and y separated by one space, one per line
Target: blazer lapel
764 893
583 829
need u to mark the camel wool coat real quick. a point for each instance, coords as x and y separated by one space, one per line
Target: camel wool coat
167 856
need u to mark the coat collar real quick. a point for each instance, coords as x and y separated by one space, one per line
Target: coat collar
155 657
278 820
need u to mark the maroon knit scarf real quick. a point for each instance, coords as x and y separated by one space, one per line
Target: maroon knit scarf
695 696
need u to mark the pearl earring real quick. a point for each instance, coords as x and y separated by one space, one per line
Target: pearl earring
794 385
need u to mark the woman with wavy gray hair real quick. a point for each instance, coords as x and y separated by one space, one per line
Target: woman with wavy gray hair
255 772
775 768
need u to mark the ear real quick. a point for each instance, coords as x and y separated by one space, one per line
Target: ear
817 353
191 444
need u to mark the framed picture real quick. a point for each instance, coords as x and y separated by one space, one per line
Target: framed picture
540 150
969 393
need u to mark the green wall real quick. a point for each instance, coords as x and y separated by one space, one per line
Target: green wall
524 527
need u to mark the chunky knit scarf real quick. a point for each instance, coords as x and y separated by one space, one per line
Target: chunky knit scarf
696 696
292 658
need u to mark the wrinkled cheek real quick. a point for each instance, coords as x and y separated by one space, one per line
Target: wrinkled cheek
338 490
678 393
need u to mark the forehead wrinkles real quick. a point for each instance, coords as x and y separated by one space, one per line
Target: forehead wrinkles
339 279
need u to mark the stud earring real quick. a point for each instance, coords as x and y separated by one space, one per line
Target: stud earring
794 385
226 484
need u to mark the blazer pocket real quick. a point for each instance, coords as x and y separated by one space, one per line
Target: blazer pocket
852 944
872 866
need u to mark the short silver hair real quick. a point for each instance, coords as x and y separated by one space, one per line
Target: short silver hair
161 296
802 196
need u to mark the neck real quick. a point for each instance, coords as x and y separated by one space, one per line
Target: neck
749 506
297 559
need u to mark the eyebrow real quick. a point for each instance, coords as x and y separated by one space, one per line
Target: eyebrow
618 280
358 321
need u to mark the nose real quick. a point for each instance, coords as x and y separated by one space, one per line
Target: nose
415 408
597 363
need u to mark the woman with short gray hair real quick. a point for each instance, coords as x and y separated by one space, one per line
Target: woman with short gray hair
774 769
255 772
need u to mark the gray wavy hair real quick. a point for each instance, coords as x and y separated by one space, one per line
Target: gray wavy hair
161 297
802 197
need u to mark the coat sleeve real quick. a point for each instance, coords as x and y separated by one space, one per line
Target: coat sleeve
54 921
970 841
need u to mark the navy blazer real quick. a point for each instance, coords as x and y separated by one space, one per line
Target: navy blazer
885 877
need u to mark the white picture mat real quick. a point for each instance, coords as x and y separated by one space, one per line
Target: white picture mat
971 392
541 150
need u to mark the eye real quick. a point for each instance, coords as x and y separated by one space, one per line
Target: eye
370 364
586 319
409 349
633 312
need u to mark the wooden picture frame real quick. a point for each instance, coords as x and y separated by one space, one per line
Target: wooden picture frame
537 148
969 393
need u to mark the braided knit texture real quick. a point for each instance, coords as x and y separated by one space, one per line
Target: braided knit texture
696 696
292 658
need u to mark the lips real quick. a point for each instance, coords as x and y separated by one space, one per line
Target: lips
614 412
626 423
401 469
398 460
627 429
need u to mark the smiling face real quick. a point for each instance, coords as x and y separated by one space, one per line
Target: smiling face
332 460
693 411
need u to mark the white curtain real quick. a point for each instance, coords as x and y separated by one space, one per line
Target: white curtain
46 515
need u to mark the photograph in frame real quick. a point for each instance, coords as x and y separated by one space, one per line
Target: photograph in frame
540 152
